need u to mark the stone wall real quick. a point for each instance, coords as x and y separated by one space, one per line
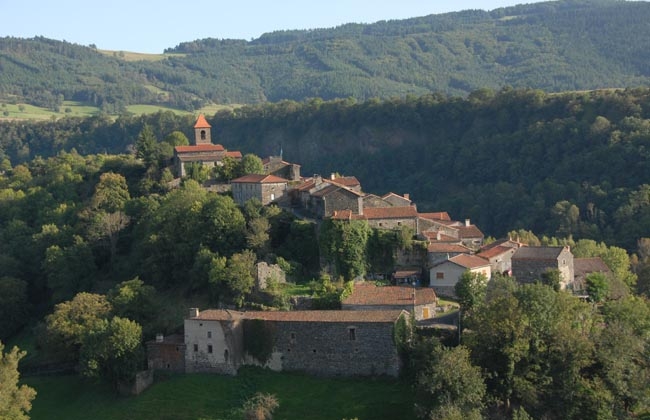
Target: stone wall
142 381
166 355
269 271
341 200
337 349
213 346
395 223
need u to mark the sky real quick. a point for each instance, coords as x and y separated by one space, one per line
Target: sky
151 27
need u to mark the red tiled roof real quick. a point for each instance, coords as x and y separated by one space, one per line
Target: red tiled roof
346 181
469 261
440 215
234 154
470 231
433 237
201 122
326 190
370 294
390 212
259 179
346 215
302 316
446 247
199 148
494 251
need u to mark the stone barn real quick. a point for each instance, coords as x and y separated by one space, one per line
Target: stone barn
328 343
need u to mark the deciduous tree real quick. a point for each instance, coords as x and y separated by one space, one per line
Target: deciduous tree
15 400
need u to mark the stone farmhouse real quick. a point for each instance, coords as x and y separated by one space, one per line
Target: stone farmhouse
420 301
327 343
499 254
202 150
266 188
529 263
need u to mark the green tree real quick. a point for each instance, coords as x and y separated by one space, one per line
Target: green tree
597 287
70 269
146 145
241 275
470 289
176 138
136 301
449 383
250 164
13 305
73 320
15 400
111 193
113 351
345 244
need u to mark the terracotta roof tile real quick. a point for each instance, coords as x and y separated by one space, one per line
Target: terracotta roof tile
346 181
201 122
259 179
370 294
441 215
302 316
494 251
234 154
200 148
435 236
470 231
447 247
390 212
469 261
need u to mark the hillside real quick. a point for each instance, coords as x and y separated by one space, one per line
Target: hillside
553 46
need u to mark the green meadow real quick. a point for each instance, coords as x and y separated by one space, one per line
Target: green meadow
215 397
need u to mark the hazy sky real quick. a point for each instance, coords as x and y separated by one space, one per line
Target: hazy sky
146 26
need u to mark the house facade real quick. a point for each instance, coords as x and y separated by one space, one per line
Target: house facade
529 263
444 275
266 188
499 254
327 343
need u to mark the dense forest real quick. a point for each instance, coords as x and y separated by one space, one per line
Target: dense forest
553 46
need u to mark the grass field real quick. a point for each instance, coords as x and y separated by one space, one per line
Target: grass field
212 397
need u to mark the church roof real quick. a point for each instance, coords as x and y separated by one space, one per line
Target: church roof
199 148
201 122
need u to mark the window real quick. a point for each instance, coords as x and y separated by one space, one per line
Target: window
272 196
203 136
196 348
209 348
209 334
352 334
440 275
225 355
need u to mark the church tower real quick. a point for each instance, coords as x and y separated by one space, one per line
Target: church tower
202 131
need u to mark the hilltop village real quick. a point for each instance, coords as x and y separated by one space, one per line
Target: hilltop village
359 338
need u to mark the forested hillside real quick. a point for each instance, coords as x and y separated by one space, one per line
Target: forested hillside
554 46
558 164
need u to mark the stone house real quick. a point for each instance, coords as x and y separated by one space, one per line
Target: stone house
202 150
397 200
166 353
274 165
329 343
444 275
438 252
266 188
582 267
499 254
529 263
421 301
326 201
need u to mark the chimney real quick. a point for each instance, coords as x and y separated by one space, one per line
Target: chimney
407 196
194 312
160 338
332 176
438 236
467 223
